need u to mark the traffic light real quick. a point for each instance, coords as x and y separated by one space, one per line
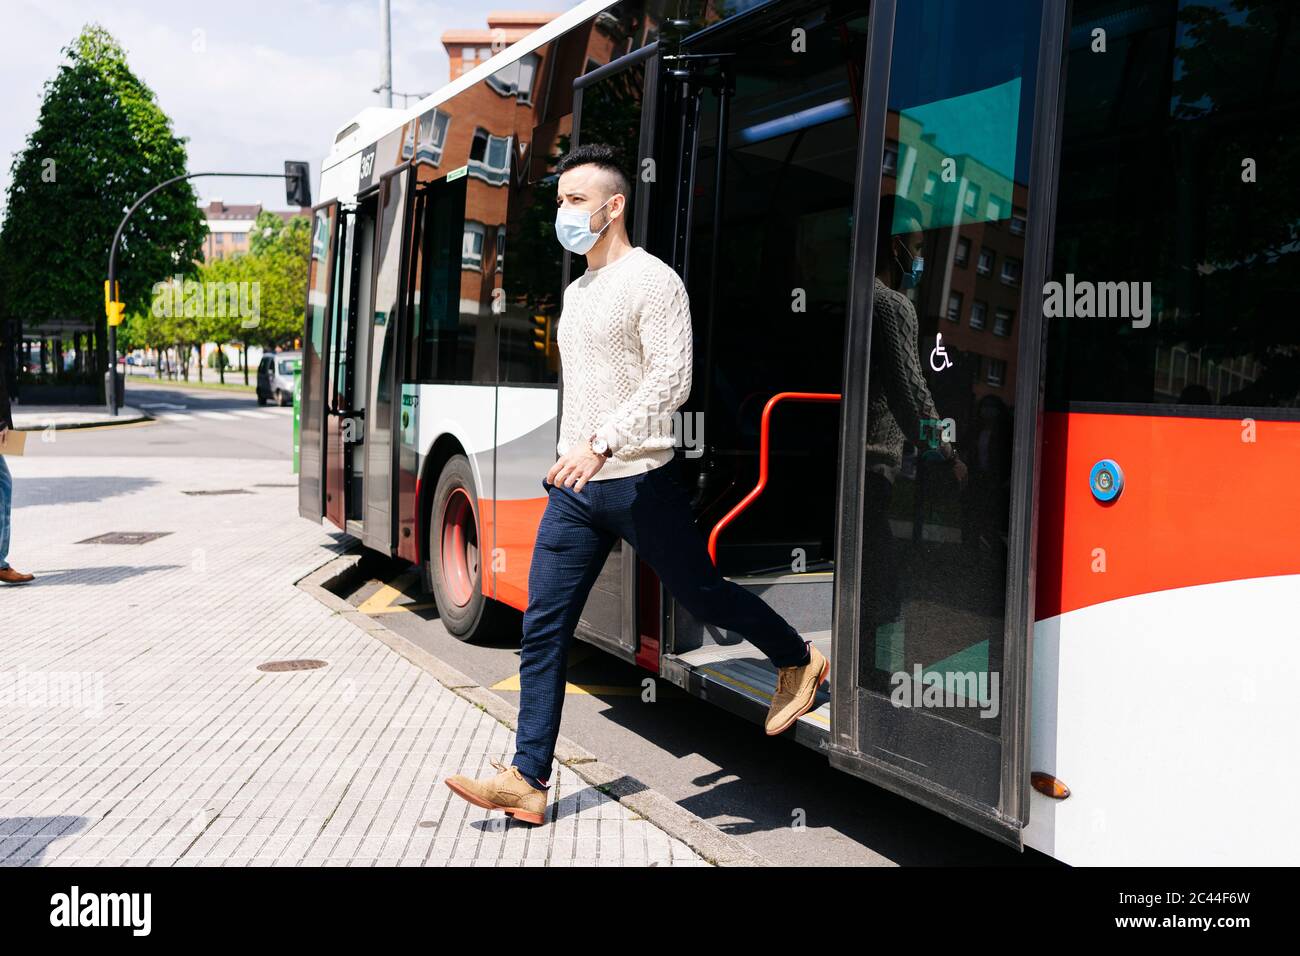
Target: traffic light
542 334
114 308
297 183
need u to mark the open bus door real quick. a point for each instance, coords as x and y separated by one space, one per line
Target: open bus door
795 123
934 576
615 104
383 361
311 500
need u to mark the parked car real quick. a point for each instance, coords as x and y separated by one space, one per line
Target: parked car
275 377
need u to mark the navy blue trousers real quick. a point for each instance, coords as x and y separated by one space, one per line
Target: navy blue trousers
578 530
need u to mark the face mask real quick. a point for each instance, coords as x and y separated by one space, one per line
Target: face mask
912 276
573 228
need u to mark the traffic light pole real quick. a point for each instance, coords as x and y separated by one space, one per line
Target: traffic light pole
113 307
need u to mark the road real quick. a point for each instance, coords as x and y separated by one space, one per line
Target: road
189 423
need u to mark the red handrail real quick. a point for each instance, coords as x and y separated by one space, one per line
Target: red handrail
763 443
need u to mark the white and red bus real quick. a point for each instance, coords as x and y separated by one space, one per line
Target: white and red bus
1087 643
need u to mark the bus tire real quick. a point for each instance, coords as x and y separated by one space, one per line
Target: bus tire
455 557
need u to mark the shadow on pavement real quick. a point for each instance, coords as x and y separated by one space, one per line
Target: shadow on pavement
104 574
29 492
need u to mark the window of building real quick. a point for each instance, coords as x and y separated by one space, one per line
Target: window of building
1002 321
979 312
501 246
527 77
954 306
1010 271
489 157
984 266
997 372
931 186
971 202
1018 222
471 252
961 255
432 136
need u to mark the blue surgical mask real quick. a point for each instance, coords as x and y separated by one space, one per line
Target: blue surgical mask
573 228
912 276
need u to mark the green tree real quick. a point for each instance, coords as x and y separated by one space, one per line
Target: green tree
100 142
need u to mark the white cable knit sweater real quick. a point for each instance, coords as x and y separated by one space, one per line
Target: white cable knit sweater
626 351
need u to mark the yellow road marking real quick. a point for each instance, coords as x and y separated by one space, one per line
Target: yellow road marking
381 602
577 654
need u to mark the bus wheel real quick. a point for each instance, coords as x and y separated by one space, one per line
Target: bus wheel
455 556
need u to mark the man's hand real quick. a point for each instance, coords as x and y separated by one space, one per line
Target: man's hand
577 465
959 470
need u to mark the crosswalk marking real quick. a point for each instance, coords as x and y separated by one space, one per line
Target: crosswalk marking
250 414
226 416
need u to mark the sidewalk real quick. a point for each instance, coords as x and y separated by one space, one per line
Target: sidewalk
37 417
135 727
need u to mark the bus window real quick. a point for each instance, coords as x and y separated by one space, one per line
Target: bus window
439 355
1178 156
942 378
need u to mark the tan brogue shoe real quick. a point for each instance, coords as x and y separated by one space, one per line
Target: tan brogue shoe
508 791
10 576
796 691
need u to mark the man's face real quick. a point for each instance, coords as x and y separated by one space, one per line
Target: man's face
587 188
913 241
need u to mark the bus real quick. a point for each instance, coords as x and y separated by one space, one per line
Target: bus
1082 639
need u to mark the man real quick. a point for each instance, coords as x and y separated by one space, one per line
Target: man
626 347
7 574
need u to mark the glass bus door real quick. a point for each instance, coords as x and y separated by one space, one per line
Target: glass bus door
320 271
610 106
941 404
383 392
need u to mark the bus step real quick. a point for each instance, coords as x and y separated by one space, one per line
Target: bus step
740 679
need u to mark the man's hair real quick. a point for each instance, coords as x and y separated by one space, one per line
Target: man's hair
603 157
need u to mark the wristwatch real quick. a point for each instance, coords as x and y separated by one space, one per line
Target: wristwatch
600 446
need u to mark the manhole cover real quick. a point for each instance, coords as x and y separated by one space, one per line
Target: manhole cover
125 537
224 491
275 667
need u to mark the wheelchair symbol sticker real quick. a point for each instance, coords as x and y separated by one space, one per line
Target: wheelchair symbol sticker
939 357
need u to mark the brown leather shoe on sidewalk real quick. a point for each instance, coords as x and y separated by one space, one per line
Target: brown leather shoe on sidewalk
10 576
796 691
508 791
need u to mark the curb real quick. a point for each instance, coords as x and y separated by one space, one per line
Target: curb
714 846
67 426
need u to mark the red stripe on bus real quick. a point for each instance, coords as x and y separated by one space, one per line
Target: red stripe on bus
515 532
1204 501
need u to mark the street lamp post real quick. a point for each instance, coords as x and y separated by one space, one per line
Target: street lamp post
298 192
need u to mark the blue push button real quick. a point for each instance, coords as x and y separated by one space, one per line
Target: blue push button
1106 480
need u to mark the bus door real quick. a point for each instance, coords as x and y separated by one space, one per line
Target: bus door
320 272
614 104
758 141
381 362
938 454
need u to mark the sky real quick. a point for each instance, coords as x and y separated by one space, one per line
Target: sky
251 83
